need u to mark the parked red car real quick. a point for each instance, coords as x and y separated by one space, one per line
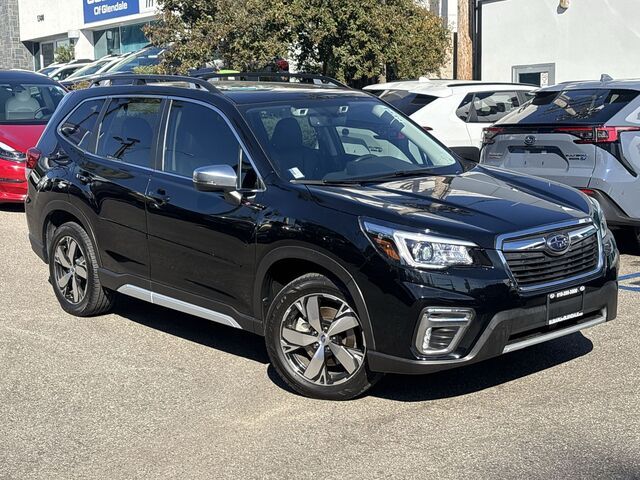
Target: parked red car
27 101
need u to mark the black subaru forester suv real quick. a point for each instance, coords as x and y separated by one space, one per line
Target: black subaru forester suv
315 215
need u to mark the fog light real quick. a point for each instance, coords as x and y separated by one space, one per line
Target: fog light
441 329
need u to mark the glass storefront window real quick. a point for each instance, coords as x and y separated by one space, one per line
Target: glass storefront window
125 39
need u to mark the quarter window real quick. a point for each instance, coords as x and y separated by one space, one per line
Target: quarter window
198 136
489 107
127 130
78 127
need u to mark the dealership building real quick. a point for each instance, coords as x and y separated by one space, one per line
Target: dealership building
95 27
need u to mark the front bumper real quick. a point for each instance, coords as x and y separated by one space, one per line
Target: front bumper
510 330
13 185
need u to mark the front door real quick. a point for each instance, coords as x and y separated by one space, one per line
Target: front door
201 244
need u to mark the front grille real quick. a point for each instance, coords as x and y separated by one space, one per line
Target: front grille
533 266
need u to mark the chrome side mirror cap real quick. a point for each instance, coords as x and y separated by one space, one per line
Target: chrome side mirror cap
215 178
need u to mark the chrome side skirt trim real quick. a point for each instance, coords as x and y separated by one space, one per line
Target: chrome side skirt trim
179 305
557 334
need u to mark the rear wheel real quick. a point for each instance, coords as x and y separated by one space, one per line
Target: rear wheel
316 342
73 271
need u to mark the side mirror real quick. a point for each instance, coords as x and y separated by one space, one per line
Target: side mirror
215 178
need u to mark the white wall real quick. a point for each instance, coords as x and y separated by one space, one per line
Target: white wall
591 37
59 18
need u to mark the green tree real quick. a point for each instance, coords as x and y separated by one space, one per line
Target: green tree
64 53
356 41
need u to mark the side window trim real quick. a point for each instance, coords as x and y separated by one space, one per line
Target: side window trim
162 143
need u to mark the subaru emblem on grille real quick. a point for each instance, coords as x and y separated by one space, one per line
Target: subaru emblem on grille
529 140
558 244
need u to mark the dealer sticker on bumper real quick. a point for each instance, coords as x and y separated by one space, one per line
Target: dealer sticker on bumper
565 305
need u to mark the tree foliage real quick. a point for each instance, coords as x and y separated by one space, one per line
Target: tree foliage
352 40
64 54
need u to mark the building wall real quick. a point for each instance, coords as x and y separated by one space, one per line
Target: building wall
589 38
13 53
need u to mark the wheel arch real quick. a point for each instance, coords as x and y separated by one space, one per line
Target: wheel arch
301 260
57 213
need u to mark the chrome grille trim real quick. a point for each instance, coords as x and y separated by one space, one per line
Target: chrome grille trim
578 230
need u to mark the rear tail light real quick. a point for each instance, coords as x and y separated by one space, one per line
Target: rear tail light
588 191
33 156
489 134
596 134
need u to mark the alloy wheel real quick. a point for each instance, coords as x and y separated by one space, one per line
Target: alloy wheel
322 339
70 270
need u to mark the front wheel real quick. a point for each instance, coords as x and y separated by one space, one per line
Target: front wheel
73 268
315 340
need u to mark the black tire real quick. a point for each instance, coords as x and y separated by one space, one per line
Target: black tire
95 300
305 287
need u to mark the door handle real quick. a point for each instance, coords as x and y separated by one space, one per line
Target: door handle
159 197
84 179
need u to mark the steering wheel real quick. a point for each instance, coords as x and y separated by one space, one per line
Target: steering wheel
38 114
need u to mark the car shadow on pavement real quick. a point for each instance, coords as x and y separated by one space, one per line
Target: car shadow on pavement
193 329
483 375
12 207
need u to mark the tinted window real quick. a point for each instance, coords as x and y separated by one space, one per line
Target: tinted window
127 130
198 136
407 102
465 107
77 128
489 107
29 104
590 106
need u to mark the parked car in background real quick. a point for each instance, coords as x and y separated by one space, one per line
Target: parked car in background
50 68
454 111
582 134
95 68
315 215
64 70
147 57
27 101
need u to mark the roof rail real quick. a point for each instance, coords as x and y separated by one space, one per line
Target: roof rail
136 79
207 75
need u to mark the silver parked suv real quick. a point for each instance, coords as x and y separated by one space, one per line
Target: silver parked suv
583 134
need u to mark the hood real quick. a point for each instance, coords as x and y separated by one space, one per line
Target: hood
21 137
477 205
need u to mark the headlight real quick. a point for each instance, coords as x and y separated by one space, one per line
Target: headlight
417 249
598 216
8 153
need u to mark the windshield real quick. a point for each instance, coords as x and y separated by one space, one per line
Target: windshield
88 70
28 104
345 139
588 106
147 57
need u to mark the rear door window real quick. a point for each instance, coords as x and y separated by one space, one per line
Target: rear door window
79 126
586 106
407 102
127 130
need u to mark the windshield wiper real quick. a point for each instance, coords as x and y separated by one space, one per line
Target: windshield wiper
392 175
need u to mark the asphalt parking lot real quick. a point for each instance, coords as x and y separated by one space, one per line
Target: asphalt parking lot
149 393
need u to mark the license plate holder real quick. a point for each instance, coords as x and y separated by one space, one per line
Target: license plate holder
565 305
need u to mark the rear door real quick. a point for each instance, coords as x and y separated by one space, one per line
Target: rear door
111 179
555 136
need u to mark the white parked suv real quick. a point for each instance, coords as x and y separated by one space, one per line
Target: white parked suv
454 111
583 134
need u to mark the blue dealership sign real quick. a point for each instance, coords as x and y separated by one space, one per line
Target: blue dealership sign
98 10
